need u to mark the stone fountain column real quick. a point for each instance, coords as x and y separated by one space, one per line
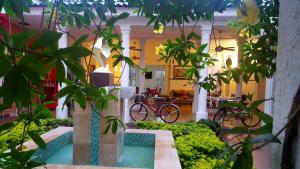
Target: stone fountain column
111 145
91 146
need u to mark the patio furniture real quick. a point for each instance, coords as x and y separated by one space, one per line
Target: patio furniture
152 91
183 96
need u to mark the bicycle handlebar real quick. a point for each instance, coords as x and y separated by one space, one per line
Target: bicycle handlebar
225 100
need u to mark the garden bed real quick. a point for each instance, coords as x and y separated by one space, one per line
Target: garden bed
14 135
197 145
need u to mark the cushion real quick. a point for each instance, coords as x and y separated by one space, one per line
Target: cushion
182 93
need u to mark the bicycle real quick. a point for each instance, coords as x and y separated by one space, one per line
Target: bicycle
163 108
249 120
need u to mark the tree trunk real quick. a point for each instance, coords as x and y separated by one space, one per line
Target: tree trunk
286 85
291 140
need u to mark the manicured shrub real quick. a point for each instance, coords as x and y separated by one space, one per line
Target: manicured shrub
211 124
13 136
53 123
197 145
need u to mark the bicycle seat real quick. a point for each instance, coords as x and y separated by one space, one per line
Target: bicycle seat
223 101
139 98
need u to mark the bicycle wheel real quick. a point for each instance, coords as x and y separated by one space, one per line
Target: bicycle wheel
250 120
220 116
138 112
169 113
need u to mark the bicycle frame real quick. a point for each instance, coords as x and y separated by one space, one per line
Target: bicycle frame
152 108
155 110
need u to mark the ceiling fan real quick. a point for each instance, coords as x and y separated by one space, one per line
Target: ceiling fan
220 48
134 48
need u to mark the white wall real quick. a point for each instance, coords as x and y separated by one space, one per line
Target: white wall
287 77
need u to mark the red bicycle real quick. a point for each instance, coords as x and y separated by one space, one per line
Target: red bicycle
160 107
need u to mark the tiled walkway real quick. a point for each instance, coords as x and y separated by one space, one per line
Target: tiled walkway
7 119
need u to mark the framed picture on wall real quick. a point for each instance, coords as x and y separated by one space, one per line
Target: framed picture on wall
148 75
179 72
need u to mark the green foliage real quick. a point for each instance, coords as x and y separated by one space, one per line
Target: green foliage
258 58
18 159
54 123
196 144
199 145
184 52
12 137
177 11
205 163
27 57
113 123
213 125
241 153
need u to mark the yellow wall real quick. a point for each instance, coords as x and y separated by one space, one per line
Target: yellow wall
151 58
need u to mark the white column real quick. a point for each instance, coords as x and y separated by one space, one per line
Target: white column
196 93
268 107
201 109
62 111
239 88
195 100
142 65
125 31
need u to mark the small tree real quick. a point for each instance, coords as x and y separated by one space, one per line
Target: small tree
28 56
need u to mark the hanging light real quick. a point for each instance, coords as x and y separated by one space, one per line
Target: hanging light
101 50
160 29
102 47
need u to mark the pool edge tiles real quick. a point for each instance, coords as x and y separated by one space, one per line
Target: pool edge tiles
59 145
131 138
138 151
48 137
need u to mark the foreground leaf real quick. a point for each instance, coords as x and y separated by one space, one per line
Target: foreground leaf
37 139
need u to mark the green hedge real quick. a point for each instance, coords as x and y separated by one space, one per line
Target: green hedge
15 134
197 145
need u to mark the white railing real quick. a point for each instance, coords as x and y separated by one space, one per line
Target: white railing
39 2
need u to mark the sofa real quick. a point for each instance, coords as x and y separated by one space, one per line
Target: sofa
183 96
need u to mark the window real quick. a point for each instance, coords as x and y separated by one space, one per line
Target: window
133 76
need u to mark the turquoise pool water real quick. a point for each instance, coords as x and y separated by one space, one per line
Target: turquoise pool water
138 151
137 157
133 156
62 156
